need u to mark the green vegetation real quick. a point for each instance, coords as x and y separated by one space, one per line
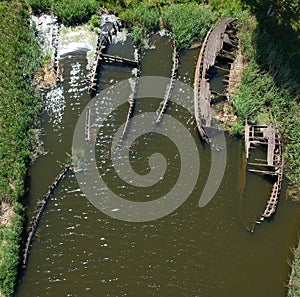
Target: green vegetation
19 59
142 18
237 128
294 285
95 21
70 12
141 15
188 22
269 85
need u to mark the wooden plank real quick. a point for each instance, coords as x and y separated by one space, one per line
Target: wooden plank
262 171
270 134
261 164
247 136
119 60
87 124
221 68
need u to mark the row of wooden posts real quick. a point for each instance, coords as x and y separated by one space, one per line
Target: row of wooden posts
167 97
131 104
55 61
102 44
266 136
220 45
212 49
106 33
39 212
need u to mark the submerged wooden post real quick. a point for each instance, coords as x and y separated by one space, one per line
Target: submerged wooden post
88 124
170 87
273 163
39 213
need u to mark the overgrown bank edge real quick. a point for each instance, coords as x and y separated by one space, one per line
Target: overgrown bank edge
268 90
19 60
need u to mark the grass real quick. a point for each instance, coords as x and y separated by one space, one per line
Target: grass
20 57
294 284
70 12
188 22
269 87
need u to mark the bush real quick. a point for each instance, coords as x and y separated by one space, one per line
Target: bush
141 15
188 22
237 128
20 58
232 8
70 12
95 21
138 34
39 6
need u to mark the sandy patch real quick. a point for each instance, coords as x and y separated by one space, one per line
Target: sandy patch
6 213
46 76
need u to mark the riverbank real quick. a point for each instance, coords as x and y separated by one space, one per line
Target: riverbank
294 281
19 105
257 83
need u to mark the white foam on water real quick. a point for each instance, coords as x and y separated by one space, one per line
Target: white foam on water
105 18
47 28
120 37
55 105
80 38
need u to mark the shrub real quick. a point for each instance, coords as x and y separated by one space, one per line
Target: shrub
141 15
237 128
95 21
137 35
39 6
188 22
70 12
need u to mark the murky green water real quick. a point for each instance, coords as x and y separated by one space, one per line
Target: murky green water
79 251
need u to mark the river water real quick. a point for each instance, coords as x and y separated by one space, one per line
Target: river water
193 251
